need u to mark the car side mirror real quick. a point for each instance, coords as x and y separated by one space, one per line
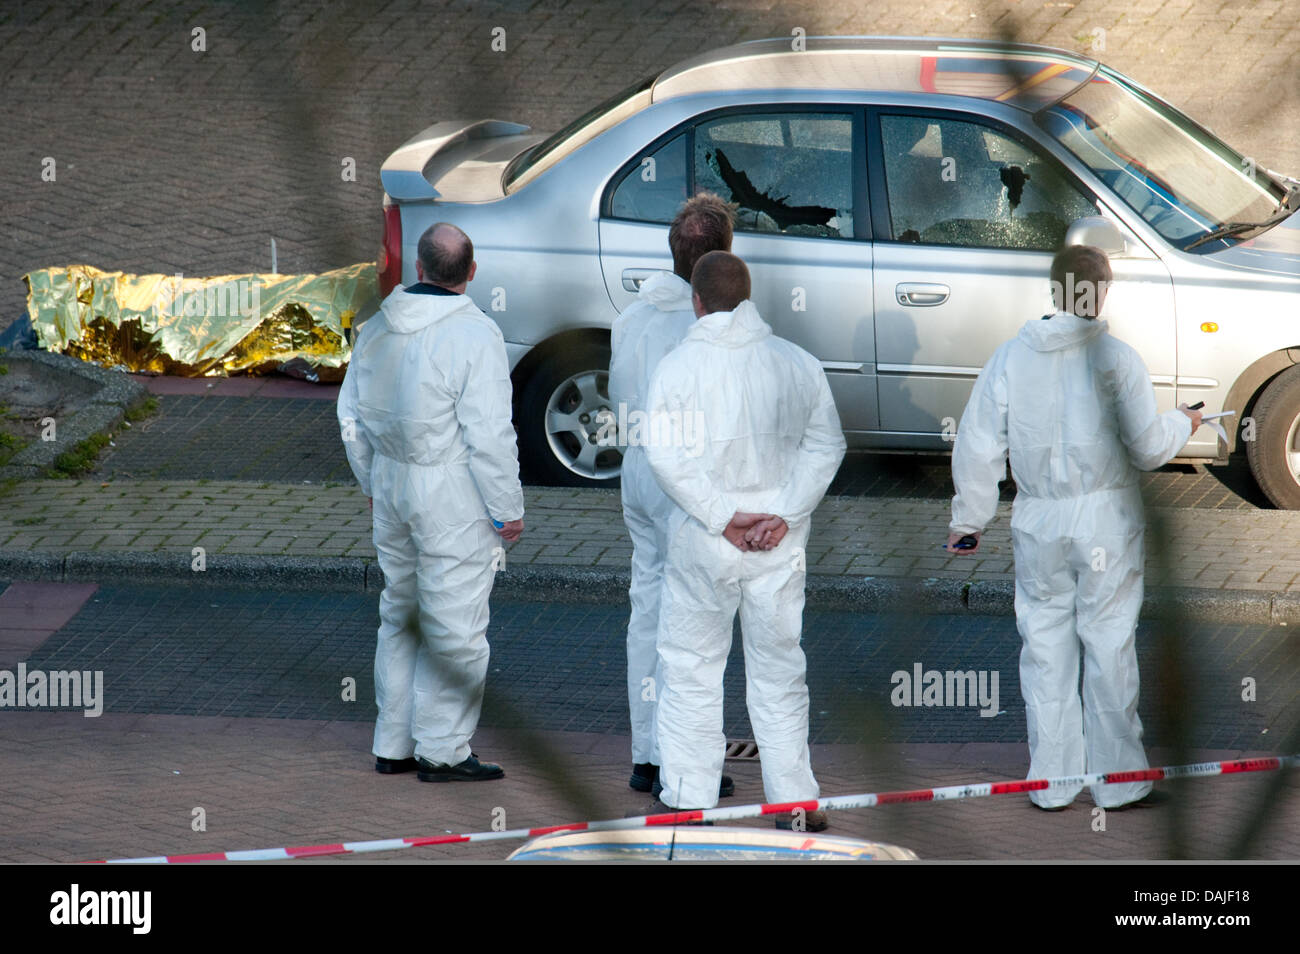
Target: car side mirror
1096 231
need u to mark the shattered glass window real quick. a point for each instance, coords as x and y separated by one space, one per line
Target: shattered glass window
788 173
958 183
655 187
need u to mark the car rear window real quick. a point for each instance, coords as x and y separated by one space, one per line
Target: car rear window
582 130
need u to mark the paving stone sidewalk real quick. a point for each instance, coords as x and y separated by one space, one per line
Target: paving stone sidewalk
583 530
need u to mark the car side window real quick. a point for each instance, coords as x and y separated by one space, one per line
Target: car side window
654 188
951 182
789 173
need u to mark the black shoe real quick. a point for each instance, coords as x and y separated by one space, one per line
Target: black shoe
1049 808
394 766
471 770
726 787
644 776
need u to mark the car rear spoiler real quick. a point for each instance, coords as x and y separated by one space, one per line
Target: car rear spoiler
406 174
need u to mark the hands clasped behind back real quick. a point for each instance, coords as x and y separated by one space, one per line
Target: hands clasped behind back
749 532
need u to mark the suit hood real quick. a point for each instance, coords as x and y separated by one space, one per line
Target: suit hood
1063 330
406 313
666 291
731 329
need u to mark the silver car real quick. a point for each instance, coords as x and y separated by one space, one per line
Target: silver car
899 204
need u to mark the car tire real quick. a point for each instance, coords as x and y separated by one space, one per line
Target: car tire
569 383
1274 454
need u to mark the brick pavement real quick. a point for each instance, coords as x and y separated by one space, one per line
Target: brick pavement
30 613
127 786
852 536
171 159
556 666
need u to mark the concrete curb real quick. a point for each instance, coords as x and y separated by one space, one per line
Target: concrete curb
569 584
103 409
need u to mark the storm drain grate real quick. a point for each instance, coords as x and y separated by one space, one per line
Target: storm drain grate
743 749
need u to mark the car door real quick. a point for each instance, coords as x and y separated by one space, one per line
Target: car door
795 175
968 218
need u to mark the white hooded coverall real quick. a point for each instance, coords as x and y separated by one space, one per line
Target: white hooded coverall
1075 410
425 415
647 330
761 435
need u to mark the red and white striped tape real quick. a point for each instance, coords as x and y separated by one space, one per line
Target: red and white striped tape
978 790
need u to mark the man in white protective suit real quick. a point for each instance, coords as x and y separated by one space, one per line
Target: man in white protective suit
1075 410
647 330
760 442
425 415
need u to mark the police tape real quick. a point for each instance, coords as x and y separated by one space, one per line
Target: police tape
735 813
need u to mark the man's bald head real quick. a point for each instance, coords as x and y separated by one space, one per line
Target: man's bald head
445 254
720 281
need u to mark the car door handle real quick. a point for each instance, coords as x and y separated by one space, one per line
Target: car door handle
633 277
921 294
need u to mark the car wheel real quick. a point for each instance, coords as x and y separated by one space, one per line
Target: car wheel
564 412
1274 454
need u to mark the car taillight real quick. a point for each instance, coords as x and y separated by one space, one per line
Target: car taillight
390 251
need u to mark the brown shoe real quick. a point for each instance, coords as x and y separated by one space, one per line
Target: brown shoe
815 820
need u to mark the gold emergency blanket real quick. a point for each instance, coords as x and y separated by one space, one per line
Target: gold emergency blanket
170 324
